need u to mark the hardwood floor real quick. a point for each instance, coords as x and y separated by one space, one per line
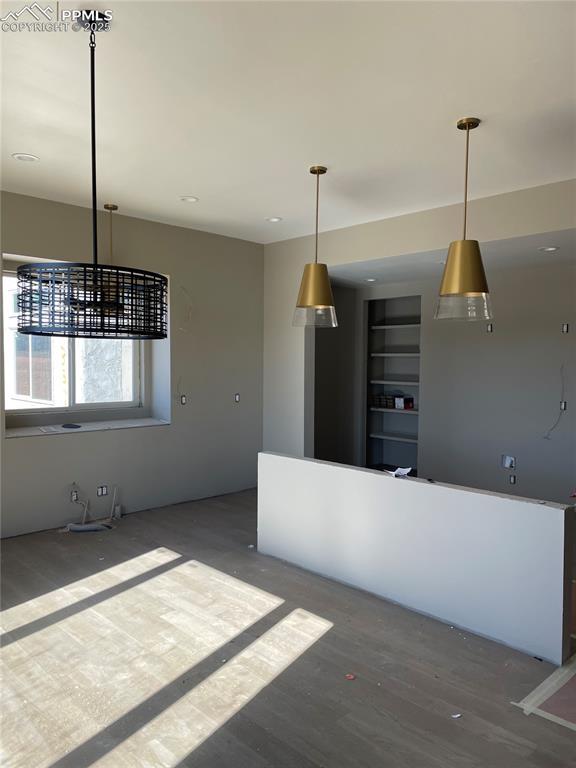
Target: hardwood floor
170 641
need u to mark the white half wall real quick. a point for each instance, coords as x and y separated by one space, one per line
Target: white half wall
492 564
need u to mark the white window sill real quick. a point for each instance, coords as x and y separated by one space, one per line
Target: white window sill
88 426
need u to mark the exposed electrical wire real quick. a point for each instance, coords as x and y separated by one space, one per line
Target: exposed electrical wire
548 434
189 309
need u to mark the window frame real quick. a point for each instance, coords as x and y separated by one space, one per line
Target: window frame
138 379
29 398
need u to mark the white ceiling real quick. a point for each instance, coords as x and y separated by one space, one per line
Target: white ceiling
514 252
232 102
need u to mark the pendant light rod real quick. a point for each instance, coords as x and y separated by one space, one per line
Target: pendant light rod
93 147
467 124
317 214
317 170
466 181
110 207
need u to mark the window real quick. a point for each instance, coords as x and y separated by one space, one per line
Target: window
44 372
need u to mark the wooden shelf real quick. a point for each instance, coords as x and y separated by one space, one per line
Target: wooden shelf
404 382
395 436
401 352
393 410
391 326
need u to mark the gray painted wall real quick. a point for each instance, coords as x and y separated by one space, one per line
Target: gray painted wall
481 395
216 347
548 208
211 445
505 388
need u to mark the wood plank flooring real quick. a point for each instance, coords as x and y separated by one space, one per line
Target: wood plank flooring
171 642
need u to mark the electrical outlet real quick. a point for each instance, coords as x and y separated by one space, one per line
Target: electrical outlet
489 328
512 479
182 399
565 327
508 462
74 496
102 490
237 397
563 405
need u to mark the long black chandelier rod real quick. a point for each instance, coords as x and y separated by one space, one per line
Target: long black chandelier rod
93 147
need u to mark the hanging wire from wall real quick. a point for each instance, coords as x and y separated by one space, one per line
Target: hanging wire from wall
561 411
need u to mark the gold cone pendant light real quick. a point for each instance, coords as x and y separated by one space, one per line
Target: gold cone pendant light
464 290
315 305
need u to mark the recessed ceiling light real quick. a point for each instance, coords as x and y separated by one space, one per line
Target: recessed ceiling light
25 157
189 199
274 219
548 248
370 279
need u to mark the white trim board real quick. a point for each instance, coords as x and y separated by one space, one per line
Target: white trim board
531 704
489 563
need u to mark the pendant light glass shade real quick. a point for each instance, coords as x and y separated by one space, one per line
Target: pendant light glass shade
317 317
315 304
464 289
92 300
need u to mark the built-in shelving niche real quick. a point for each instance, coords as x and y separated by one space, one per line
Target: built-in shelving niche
393 366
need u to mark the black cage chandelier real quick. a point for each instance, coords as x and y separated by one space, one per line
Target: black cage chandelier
92 300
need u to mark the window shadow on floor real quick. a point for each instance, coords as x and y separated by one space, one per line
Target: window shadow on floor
122 729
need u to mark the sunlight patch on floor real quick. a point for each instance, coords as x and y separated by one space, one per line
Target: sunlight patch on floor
165 741
67 682
48 603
